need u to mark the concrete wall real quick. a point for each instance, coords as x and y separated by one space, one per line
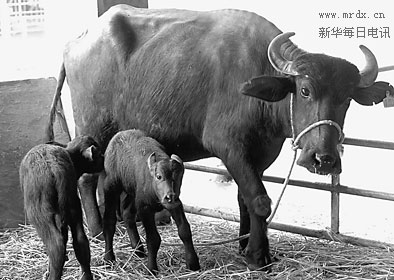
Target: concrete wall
24 109
104 5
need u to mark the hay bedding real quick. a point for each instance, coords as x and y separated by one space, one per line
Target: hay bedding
22 256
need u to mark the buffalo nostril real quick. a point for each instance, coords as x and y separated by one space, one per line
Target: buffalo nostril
170 198
325 159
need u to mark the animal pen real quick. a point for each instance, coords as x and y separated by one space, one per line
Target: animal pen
22 255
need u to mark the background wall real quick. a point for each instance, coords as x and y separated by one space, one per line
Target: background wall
104 5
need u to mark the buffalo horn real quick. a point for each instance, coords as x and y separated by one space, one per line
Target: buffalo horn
370 72
276 49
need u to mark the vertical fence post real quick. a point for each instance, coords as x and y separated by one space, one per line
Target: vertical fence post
335 204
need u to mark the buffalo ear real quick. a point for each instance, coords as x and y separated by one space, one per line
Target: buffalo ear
151 160
88 153
373 94
268 88
177 161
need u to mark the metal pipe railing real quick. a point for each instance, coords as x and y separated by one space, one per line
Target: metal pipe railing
304 184
335 188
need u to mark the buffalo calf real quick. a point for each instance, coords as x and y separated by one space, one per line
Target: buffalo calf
149 180
48 177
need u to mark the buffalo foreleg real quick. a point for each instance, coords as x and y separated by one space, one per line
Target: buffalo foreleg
80 241
111 197
254 196
87 186
185 234
244 226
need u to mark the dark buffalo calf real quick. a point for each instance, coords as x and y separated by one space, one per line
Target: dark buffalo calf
48 177
150 180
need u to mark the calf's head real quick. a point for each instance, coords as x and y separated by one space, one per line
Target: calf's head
316 87
86 155
167 175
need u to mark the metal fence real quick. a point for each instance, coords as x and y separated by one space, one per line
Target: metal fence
335 188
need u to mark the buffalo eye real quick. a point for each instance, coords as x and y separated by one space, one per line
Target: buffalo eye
159 177
305 92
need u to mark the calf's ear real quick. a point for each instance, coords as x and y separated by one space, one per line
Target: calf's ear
177 159
268 88
88 153
373 94
151 160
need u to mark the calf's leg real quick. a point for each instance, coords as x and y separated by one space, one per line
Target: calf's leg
153 239
111 197
55 240
185 234
129 212
80 241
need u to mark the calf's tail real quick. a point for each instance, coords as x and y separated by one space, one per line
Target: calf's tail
49 135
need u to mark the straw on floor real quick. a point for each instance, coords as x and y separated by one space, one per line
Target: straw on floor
22 256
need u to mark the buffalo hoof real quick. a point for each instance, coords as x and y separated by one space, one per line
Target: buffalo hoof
153 270
193 266
258 260
87 276
192 261
140 252
109 257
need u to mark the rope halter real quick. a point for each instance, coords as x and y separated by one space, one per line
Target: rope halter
295 140
294 143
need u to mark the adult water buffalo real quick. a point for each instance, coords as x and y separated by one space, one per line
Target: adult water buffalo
178 75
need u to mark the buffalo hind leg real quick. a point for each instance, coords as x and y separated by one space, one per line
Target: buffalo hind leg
80 241
184 232
87 186
111 198
129 213
153 239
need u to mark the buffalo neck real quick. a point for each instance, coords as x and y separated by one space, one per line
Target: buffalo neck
276 116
